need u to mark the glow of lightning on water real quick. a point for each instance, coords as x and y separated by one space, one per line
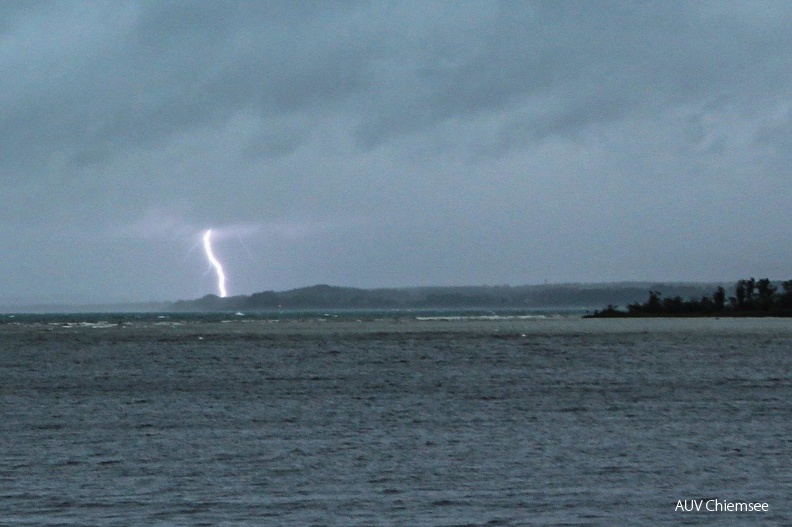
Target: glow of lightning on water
207 241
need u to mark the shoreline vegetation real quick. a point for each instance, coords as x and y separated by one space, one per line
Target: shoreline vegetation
750 298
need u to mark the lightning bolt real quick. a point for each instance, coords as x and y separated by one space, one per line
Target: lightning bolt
207 241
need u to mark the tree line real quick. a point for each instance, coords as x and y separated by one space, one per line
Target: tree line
750 297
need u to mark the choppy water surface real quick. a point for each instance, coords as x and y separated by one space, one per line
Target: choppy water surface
393 421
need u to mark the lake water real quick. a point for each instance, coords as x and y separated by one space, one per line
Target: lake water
392 420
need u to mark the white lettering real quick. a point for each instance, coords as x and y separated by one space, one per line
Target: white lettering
715 505
689 505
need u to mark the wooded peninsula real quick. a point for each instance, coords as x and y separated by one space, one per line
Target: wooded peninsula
751 298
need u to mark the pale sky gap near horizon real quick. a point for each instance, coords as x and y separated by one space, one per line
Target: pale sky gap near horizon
390 143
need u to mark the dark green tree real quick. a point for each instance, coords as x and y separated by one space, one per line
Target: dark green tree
765 294
750 292
740 295
706 305
673 305
719 299
653 305
785 298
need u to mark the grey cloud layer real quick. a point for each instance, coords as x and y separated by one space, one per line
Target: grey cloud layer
477 122
100 77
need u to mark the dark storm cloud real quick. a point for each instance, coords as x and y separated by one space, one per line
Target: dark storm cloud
390 143
583 62
164 67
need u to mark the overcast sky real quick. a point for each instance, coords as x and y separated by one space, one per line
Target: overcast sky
390 144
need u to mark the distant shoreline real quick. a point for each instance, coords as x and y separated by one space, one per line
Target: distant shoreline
585 298
578 296
559 296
